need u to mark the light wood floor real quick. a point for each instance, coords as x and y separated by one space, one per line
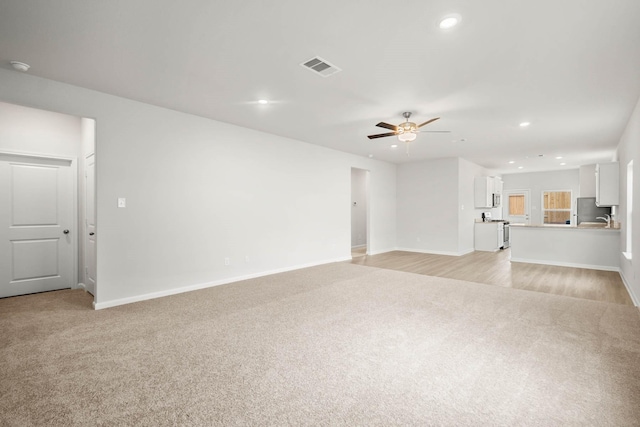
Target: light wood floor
496 269
356 252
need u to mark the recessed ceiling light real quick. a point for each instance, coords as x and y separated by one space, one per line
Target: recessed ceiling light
562 164
558 158
520 167
449 21
394 146
20 66
371 156
511 162
524 124
263 101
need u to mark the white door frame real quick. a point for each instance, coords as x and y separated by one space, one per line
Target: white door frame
85 229
368 211
25 157
505 204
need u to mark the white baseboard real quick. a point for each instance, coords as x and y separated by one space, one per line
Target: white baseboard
424 251
634 298
466 251
81 286
567 264
168 292
358 246
382 251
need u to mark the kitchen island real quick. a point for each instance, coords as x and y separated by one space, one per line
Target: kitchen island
596 248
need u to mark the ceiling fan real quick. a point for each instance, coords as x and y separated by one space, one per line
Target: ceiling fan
406 131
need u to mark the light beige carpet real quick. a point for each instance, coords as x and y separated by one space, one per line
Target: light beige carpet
331 345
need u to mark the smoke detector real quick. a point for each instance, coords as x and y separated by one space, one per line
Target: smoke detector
20 66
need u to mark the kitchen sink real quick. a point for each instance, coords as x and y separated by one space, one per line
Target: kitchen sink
592 225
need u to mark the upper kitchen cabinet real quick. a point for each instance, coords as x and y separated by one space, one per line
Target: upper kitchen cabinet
497 187
608 184
488 192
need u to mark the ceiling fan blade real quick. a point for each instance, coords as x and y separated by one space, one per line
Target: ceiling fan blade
428 121
381 135
387 126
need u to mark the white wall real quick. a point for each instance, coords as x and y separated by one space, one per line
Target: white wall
587 181
628 150
199 190
359 184
30 130
427 206
436 206
538 182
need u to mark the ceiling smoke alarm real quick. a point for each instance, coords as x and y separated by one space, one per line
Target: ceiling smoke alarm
20 66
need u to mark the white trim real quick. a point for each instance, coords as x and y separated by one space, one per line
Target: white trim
543 210
382 251
426 251
81 286
567 264
636 300
627 255
358 246
29 155
168 292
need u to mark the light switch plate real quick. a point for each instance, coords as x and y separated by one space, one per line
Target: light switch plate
122 202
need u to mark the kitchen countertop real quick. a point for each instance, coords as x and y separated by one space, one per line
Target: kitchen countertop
565 227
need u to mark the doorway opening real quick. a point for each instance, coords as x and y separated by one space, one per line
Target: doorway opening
47 161
359 212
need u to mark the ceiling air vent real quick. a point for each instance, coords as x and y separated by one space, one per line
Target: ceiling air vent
320 66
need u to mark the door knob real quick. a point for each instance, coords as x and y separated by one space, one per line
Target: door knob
92 233
66 231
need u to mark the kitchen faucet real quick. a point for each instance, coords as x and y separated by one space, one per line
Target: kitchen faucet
607 219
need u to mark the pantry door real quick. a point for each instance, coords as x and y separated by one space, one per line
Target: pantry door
517 206
36 224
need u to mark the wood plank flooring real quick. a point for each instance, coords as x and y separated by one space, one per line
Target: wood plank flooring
496 269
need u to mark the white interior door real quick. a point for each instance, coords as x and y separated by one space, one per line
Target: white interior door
90 226
517 206
36 224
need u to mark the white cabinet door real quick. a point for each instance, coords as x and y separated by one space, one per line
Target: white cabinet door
607 184
483 192
497 188
486 236
36 224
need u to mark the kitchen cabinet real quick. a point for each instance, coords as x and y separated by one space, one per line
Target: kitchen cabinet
488 236
497 186
607 184
484 189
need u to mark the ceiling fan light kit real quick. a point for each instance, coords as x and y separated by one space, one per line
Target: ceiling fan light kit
407 136
406 132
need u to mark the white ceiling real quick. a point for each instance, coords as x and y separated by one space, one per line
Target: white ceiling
570 67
